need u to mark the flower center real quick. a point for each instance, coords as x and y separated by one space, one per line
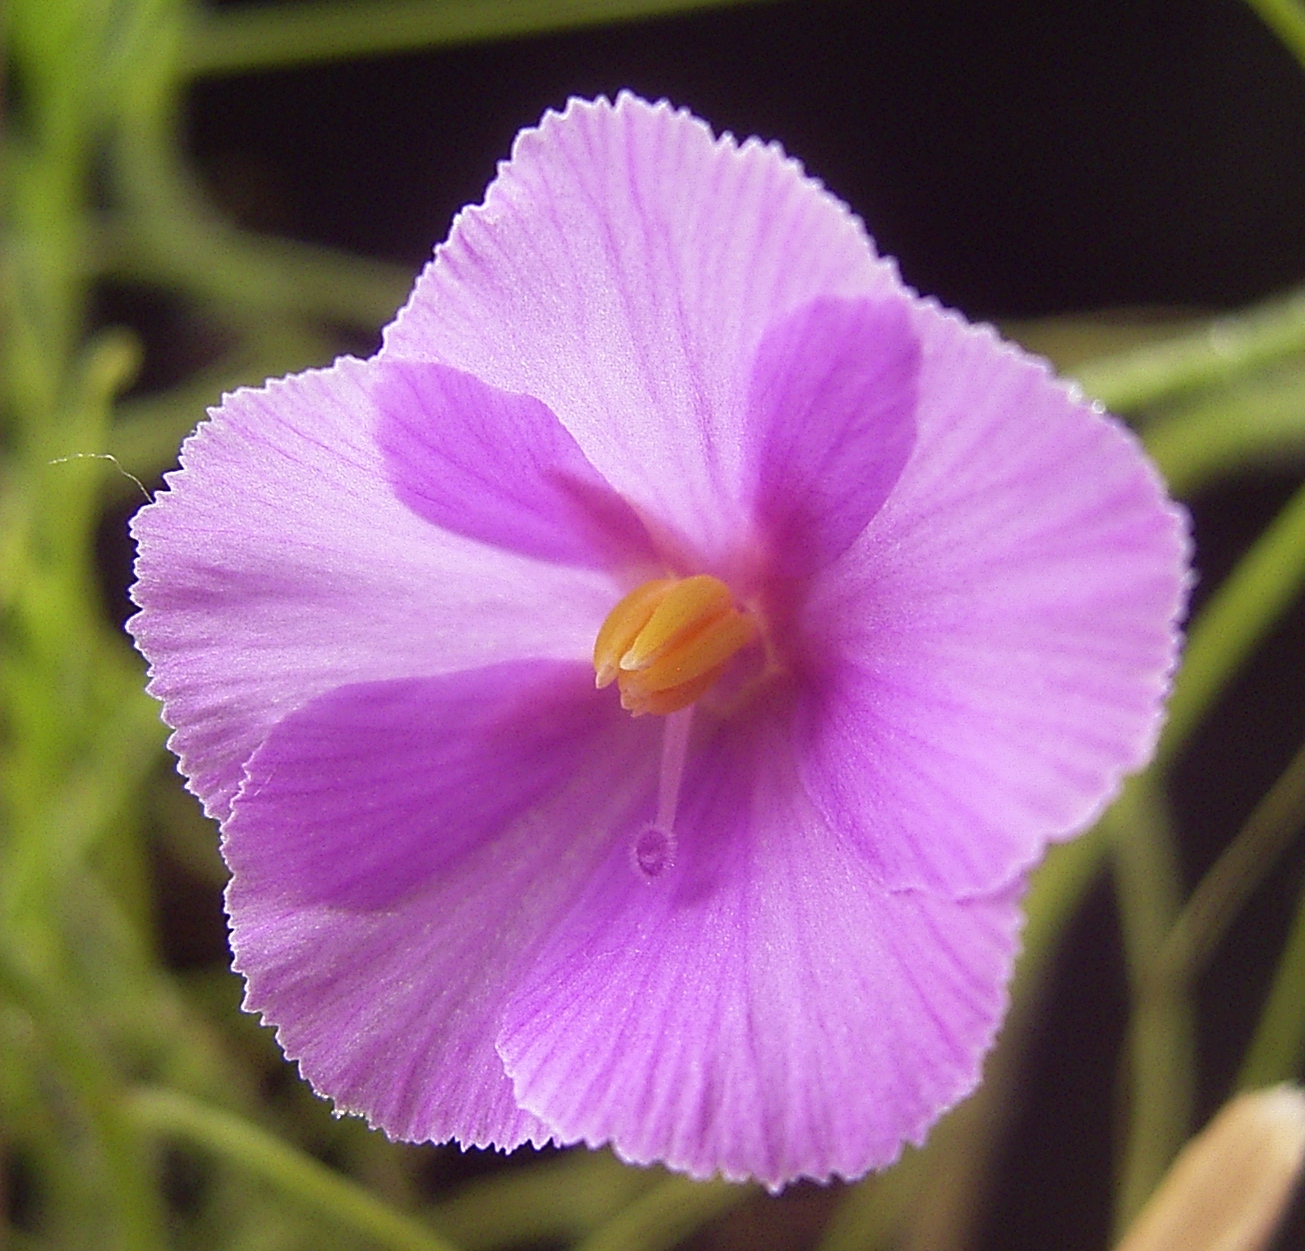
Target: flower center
667 641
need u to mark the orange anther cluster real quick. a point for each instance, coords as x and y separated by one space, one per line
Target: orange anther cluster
667 641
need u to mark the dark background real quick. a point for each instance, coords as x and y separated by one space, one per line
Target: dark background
1020 159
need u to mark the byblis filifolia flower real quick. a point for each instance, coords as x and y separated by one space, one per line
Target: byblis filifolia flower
633 699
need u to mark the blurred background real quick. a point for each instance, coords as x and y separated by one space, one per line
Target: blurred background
197 196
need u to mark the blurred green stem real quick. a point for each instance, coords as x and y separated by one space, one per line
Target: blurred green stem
247 275
1162 1027
1258 422
130 1192
294 1172
560 1199
170 235
1224 349
1277 1051
1161 1039
1235 621
1286 18
274 36
666 1215
1234 876
874 1212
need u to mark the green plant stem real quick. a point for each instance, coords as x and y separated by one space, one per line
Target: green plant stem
1238 616
130 1189
1286 18
1071 340
561 1199
246 275
1261 421
1226 348
1277 1050
1162 1028
294 1172
665 1215
276 36
874 1212
1234 876
169 232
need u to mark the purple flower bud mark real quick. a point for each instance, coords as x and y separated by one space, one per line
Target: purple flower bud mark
634 699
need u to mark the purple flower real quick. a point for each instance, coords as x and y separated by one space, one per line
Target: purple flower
898 606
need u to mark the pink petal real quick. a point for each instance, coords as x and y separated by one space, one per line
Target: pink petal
623 270
833 402
280 564
994 650
454 792
500 468
762 1008
366 792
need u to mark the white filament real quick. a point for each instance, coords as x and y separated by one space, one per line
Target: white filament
675 746
653 851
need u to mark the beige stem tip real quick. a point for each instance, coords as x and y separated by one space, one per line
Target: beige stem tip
1230 1186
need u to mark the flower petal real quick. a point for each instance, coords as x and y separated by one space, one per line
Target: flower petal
623 270
992 654
500 468
280 564
761 1008
833 399
367 791
396 852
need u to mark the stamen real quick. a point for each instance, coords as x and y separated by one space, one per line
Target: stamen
668 640
623 625
685 609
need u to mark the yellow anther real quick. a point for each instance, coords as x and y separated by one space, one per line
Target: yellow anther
668 640
702 652
623 625
685 609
